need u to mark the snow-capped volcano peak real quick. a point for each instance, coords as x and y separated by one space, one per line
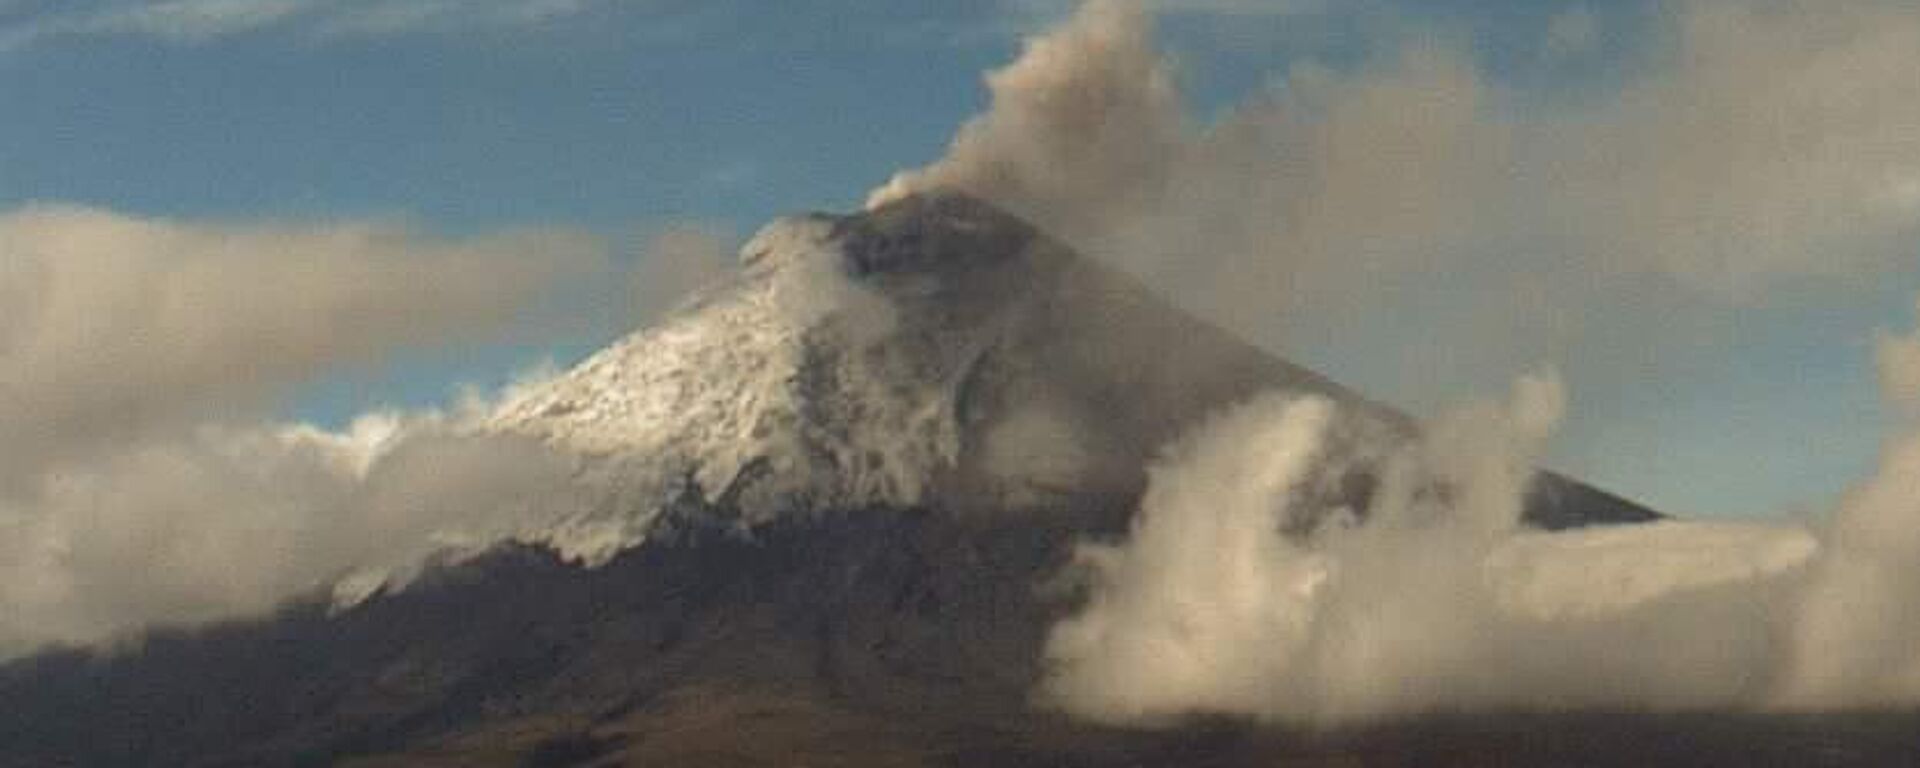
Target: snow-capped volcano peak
932 351
832 371
792 386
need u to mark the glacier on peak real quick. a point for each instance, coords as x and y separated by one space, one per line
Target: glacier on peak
759 396
932 351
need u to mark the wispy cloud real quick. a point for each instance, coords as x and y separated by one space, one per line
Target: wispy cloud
192 20
180 21
199 21
378 18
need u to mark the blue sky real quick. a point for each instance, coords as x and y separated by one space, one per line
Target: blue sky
607 118
466 118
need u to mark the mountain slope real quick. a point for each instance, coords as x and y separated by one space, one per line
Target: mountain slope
830 495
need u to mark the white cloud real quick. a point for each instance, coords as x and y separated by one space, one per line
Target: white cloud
138 483
1435 600
193 20
122 327
141 483
199 21
376 18
383 19
177 21
214 523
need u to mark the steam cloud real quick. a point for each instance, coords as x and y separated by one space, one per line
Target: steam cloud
1767 144
1434 599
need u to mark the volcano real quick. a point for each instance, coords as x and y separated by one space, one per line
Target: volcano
828 499
936 352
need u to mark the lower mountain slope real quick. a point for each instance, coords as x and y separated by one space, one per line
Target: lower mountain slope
881 637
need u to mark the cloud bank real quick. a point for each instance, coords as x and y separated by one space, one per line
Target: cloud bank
121 327
228 522
141 482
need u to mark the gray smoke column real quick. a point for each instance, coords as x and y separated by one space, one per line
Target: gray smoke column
1084 128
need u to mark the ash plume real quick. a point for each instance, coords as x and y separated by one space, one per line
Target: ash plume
1763 146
